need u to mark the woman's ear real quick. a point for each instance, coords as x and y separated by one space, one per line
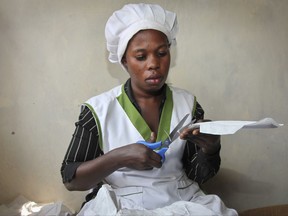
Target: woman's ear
124 62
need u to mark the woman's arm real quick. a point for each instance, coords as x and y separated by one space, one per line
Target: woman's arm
199 166
133 156
201 158
85 165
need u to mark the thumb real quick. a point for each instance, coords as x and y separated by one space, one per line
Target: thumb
152 137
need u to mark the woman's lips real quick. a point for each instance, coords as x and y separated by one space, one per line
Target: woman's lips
154 80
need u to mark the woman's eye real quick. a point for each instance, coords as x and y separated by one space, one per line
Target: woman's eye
161 54
140 57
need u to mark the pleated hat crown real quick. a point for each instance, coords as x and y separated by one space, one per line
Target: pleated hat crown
126 22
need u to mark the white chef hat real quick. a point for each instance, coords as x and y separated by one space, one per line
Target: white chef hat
126 22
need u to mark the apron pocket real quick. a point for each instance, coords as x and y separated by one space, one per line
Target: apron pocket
130 197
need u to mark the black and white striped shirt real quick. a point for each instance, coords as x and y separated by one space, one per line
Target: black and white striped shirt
84 146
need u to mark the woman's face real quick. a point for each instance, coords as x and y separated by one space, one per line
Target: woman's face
147 60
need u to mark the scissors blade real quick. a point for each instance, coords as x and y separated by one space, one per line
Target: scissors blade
174 135
190 125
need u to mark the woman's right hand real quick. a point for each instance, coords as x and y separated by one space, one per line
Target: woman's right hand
138 156
134 156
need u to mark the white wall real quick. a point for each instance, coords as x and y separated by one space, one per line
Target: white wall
231 54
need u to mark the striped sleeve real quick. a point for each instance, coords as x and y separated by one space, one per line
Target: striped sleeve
83 146
199 166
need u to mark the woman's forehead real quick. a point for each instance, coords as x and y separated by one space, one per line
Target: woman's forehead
148 36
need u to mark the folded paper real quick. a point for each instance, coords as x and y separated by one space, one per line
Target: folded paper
231 127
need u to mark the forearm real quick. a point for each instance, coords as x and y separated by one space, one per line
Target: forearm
200 166
133 156
90 173
208 167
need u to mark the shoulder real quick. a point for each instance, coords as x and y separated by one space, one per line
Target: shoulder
187 96
182 93
178 90
105 97
86 120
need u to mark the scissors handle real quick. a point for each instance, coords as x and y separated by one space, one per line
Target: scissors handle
154 146
150 145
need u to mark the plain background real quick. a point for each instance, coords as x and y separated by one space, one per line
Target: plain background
232 54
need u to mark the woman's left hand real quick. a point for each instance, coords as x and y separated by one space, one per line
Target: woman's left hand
209 143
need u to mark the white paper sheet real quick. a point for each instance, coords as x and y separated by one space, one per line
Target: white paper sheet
231 127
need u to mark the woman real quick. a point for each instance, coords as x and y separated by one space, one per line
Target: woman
104 147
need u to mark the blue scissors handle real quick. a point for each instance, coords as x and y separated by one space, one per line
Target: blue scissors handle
154 146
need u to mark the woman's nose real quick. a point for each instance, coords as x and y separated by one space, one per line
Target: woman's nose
153 62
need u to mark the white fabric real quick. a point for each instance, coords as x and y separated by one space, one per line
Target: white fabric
21 206
126 22
105 204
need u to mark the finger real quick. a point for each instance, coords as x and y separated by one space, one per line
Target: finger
209 143
184 133
189 132
208 138
195 132
152 137
155 160
156 164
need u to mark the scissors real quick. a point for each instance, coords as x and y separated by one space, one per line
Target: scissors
163 146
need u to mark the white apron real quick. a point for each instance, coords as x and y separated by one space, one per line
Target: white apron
119 123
